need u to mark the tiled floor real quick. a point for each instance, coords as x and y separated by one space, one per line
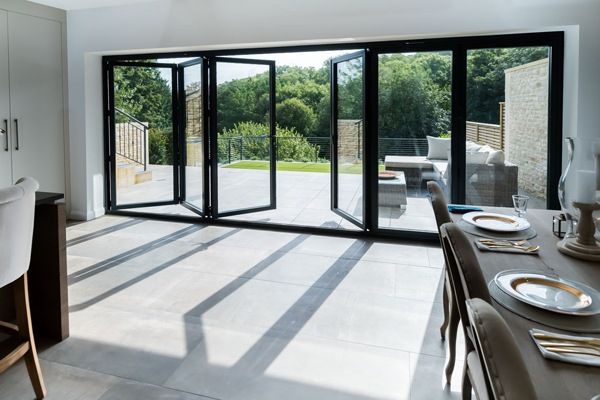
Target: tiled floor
163 310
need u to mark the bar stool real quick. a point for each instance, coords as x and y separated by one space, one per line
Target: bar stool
17 207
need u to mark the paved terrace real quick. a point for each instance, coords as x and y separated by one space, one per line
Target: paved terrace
303 198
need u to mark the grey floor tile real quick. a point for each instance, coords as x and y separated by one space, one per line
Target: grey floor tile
428 381
128 390
62 383
247 365
132 345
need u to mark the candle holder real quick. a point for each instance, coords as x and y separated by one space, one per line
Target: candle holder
584 245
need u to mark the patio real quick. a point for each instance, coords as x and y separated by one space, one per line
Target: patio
303 198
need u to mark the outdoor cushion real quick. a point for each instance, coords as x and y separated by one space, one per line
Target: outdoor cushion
477 157
496 157
471 146
437 148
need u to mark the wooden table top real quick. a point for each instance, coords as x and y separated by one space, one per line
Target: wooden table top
552 379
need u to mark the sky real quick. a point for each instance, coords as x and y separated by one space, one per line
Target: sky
229 71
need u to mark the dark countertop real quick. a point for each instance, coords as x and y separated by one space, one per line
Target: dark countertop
47 197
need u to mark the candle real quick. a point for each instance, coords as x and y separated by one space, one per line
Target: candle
597 156
586 187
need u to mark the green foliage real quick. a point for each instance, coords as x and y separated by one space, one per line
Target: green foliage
160 147
143 93
294 114
485 78
243 100
250 141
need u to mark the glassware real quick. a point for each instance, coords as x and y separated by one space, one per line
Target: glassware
520 202
563 198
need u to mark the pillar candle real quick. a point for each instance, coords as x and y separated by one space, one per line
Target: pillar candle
597 156
586 187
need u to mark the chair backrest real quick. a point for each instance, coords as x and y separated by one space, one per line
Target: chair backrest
17 206
504 368
464 271
438 203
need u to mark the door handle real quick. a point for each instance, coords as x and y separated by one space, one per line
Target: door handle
17 133
5 133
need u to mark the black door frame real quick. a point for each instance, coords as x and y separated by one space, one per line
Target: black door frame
204 210
334 186
110 138
214 158
459 47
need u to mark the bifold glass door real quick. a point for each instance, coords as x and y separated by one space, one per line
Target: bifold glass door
194 138
243 160
348 137
143 140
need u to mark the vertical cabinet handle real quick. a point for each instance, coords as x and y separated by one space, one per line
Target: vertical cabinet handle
16 134
5 132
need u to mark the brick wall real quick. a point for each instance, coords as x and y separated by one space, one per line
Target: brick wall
526 98
194 128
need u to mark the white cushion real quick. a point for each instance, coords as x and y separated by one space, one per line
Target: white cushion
495 157
437 148
472 146
476 157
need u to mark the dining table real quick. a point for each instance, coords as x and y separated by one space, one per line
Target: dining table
551 379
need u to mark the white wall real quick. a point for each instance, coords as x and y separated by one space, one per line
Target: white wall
179 24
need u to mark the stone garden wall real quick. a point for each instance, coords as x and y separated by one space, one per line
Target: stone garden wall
350 140
526 98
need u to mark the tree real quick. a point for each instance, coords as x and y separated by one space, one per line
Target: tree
485 78
294 114
144 94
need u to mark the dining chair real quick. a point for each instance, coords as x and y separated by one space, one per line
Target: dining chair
495 369
451 316
466 279
17 206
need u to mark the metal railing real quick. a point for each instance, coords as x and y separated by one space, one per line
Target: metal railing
131 138
307 149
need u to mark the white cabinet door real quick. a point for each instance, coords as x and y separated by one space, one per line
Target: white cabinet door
36 100
5 145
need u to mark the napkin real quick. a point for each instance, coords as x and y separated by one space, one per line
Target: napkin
582 359
462 209
512 250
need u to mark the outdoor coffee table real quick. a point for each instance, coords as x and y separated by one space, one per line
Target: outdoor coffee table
392 192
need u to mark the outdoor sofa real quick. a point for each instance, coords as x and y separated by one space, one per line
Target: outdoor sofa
490 180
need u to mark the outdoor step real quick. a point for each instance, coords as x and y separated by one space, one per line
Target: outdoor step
143 176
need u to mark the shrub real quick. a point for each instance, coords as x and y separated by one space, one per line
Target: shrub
250 141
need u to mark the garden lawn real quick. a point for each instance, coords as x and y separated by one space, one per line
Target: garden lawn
297 166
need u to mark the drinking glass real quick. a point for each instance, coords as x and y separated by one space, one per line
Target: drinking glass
520 202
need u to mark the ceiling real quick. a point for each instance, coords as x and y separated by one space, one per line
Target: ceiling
82 4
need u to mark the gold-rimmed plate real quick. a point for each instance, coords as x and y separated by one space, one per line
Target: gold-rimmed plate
496 222
549 293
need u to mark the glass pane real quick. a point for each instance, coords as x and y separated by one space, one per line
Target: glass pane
143 134
243 136
414 103
507 126
194 135
350 137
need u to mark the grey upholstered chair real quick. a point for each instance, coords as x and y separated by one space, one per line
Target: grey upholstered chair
451 316
17 205
466 279
495 369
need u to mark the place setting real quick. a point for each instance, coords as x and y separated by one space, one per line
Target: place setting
557 303
500 232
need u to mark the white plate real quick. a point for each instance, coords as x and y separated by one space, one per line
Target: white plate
549 293
496 222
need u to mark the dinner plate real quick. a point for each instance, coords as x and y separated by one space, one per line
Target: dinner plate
496 222
549 293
